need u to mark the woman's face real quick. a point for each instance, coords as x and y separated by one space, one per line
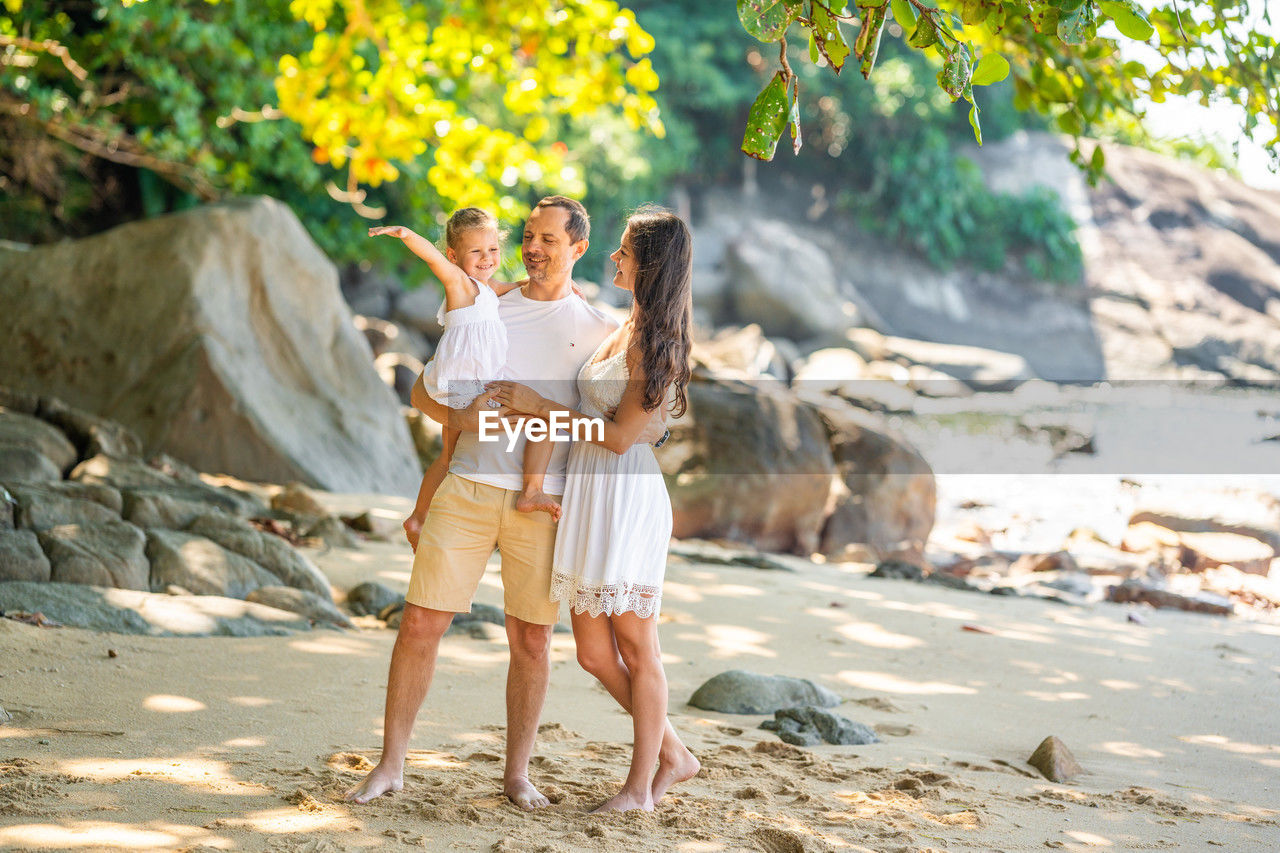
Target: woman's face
624 259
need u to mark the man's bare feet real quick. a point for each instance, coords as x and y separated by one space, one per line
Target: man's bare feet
520 792
671 771
412 530
625 801
379 781
536 500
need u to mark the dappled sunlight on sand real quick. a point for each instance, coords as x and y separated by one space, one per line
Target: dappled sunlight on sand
873 635
197 772
252 701
245 742
730 641
939 609
1063 696
1228 745
335 645
289 820
887 683
102 835
172 704
1125 749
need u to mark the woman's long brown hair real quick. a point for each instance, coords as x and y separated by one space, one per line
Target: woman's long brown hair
663 249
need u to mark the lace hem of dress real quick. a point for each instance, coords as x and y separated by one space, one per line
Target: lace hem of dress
607 599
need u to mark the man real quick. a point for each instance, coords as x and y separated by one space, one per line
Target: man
551 333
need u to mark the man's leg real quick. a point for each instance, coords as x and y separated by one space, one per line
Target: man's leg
413 662
527 678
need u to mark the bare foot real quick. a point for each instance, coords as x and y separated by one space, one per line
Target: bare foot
671 771
625 801
522 794
412 530
538 501
379 781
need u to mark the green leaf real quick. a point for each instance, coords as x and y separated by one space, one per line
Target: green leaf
954 76
974 123
767 120
793 117
768 20
869 37
814 56
828 38
924 34
1130 19
1071 123
992 68
905 14
1098 161
1077 26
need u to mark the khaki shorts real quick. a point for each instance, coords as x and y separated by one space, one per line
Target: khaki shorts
466 521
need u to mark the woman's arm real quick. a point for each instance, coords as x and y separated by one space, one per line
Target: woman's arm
628 425
457 287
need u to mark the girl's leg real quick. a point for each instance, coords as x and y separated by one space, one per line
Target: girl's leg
431 481
537 455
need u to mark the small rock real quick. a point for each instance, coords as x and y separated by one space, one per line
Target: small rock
22 558
1132 591
898 570
112 653
297 499
741 692
807 725
373 526
371 598
332 532
32 433
89 433
1058 561
1054 761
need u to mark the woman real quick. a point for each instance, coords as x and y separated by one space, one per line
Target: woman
611 549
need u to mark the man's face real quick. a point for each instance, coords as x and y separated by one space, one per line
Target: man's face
548 251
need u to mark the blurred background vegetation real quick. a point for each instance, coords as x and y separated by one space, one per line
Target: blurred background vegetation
112 111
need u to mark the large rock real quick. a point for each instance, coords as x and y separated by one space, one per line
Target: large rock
371 598
272 553
24 465
784 283
132 475
806 726
38 506
108 554
889 496
742 353
749 463
740 692
316 608
978 367
202 567
131 612
219 336
19 430
21 558
89 433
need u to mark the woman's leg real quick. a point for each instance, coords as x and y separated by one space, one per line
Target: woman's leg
599 655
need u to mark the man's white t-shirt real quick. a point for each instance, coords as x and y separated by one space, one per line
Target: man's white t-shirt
548 342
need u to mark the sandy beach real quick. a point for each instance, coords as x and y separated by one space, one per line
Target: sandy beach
247 744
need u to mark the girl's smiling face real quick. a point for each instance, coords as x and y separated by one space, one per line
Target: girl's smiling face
625 260
478 253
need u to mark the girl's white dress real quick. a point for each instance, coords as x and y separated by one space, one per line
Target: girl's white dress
611 548
471 352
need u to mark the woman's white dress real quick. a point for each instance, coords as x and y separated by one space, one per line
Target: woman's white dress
471 352
611 548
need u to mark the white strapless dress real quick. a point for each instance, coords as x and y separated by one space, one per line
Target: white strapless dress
611 546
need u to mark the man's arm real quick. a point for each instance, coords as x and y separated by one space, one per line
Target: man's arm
467 420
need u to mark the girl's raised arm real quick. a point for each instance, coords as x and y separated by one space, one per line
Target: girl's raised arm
457 288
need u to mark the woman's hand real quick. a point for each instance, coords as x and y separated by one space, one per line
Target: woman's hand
516 397
397 231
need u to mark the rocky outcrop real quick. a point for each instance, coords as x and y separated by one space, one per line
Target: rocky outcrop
241 355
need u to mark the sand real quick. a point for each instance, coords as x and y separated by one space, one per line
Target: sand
247 744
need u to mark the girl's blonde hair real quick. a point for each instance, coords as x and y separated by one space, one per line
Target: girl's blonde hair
467 219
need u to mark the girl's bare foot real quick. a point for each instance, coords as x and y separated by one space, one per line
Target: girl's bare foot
672 770
412 530
379 781
625 801
536 500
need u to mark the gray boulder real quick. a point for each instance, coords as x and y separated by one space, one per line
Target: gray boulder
90 434
807 725
748 462
110 554
24 465
38 506
270 552
741 692
371 598
131 612
19 430
219 336
201 566
784 283
319 610
164 477
889 494
21 558
168 508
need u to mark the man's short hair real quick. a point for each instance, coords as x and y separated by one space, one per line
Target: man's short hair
579 224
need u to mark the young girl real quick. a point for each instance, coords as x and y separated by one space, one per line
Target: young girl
472 350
